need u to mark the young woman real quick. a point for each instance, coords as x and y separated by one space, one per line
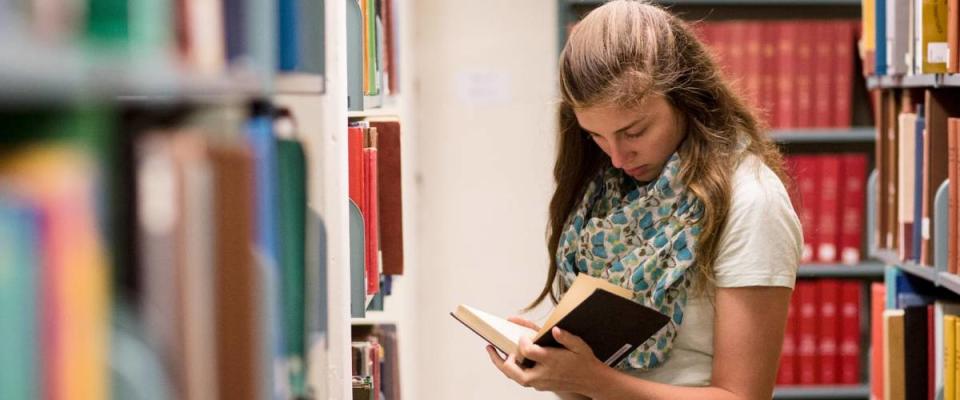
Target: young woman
667 185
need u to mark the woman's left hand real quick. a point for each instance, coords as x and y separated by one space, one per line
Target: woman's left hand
573 368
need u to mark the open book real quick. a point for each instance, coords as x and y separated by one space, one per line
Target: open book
599 312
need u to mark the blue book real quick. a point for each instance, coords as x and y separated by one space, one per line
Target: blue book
19 263
898 286
288 35
881 35
918 186
261 139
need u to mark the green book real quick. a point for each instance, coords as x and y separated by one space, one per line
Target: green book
293 214
354 56
19 263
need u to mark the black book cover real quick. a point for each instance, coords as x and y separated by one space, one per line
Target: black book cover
915 351
612 325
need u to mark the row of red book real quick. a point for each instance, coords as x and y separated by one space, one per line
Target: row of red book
798 73
829 199
821 345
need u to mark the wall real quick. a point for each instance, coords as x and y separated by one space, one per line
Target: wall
484 88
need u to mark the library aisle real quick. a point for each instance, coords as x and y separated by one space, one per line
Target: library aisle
286 199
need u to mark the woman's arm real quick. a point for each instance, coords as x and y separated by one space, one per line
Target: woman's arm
748 334
571 396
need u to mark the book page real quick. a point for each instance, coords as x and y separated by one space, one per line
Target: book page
501 333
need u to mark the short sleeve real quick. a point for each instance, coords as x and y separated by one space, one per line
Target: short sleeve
762 242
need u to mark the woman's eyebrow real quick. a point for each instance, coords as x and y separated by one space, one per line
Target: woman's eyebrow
625 128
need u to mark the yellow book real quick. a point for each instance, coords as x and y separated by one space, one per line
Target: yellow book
868 41
894 386
956 361
949 356
932 51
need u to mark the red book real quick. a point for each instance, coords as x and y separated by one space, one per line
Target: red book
828 331
753 62
390 196
823 80
355 164
768 72
853 186
371 221
807 333
850 293
878 296
787 374
786 74
720 42
829 207
805 40
808 184
737 61
843 75
953 36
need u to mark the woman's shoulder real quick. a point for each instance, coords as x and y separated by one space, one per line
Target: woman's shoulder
755 184
761 241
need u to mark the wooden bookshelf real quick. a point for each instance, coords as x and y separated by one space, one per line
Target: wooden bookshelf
867 270
825 136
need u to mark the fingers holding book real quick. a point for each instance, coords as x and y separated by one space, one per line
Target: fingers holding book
524 322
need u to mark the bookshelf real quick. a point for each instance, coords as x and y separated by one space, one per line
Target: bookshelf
824 135
43 77
823 392
867 270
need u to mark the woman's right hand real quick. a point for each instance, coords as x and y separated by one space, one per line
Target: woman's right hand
524 322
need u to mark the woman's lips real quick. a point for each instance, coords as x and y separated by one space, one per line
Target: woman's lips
637 171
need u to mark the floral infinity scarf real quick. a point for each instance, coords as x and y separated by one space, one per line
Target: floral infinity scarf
641 238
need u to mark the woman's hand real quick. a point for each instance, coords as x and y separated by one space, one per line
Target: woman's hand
524 323
569 369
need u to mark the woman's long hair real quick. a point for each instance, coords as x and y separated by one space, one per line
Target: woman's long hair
619 54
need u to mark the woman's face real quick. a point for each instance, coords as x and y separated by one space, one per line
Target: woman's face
639 140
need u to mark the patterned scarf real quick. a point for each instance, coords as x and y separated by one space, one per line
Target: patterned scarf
641 238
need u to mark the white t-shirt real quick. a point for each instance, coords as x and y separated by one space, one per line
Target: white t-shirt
761 245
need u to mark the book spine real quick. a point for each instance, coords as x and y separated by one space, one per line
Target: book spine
824 85
808 169
953 36
829 211
787 374
851 293
806 71
952 138
851 217
877 377
371 222
843 75
919 167
768 91
786 75
807 333
828 324
355 165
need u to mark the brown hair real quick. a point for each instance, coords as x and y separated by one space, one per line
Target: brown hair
619 54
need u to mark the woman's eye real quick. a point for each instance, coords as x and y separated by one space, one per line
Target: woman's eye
632 135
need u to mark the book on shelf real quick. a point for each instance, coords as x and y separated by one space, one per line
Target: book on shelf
795 79
894 382
592 308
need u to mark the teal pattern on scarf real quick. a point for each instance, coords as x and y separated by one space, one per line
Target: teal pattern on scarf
640 237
